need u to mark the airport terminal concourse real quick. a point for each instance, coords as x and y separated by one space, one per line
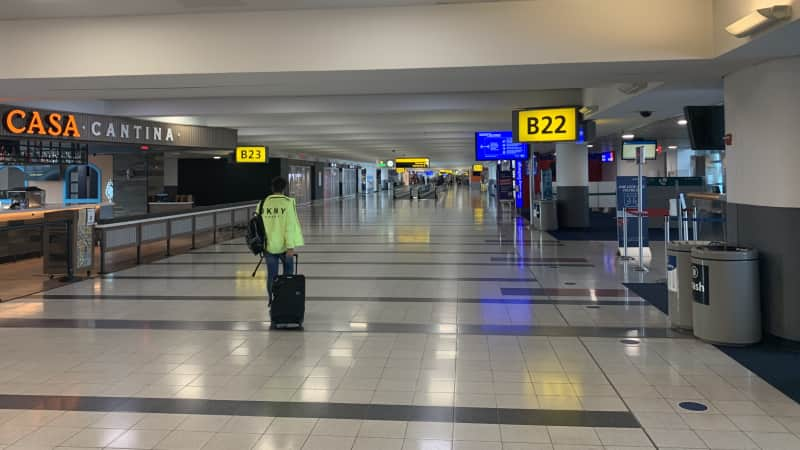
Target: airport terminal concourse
400 225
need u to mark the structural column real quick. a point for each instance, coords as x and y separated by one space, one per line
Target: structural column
762 106
572 177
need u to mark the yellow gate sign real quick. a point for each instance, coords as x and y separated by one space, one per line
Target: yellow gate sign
412 163
546 124
251 154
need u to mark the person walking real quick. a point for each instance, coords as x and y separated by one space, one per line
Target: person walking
282 228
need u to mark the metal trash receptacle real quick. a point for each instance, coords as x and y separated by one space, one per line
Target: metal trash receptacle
725 291
679 282
545 215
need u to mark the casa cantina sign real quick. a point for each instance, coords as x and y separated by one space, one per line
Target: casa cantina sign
42 124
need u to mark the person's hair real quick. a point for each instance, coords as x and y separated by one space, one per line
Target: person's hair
279 185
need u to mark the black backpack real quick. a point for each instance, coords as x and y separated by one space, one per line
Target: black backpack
256 237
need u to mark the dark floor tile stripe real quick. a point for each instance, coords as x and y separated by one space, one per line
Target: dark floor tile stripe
328 252
577 292
324 410
345 327
515 259
258 298
500 262
312 278
434 241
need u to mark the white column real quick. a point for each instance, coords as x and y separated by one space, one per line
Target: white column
762 107
572 178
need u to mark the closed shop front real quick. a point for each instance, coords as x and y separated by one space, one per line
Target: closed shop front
349 182
331 182
300 183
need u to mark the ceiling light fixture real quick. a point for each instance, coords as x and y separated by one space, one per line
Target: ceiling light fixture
759 19
673 147
682 122
628 136
218 157
589 145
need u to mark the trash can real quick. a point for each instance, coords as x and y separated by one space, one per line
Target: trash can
725 291
679 282
545 215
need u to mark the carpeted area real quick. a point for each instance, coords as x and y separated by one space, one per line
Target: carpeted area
602 227
654 293
776 361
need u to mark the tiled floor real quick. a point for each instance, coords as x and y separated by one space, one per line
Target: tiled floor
429 325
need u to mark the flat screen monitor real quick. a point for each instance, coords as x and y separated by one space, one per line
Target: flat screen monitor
629 149
498 146
706 126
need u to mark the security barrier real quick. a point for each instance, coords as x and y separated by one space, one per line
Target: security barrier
127 242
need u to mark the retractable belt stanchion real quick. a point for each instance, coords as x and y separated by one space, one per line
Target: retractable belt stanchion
625 256
640 161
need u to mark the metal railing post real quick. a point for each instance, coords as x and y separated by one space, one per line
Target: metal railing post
214 223
169 237
139 244
695 223
102 251
194 232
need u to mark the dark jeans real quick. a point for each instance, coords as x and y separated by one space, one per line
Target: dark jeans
272 268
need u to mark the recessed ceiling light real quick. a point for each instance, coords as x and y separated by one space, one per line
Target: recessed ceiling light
218 157
682 122
628 136
673 147
589 145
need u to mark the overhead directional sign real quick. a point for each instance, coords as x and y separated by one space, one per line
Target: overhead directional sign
477 167
251 154
412 163
546 124
498 146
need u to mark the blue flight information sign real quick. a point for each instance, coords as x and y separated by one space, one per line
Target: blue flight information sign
497 146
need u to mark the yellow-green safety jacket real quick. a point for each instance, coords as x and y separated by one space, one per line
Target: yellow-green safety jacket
281 224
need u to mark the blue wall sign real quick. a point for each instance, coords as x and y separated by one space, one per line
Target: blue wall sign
518 182
628 198
497 146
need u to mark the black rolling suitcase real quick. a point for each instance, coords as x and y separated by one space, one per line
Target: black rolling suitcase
288 305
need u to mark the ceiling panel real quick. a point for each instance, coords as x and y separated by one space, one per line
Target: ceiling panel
47 9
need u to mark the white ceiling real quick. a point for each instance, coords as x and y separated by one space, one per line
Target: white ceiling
48 9
365 115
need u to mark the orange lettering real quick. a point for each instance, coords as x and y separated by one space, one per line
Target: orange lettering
71 128
36 126
55 124
10 121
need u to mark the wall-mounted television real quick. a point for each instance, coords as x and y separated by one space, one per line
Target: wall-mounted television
498 146
629 149
706 126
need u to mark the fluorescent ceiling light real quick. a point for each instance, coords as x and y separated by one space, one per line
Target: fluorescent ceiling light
758 19
673 147
682 122
218 157
589 146
628 136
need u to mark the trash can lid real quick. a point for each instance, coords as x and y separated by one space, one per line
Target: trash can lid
723 252
685 246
